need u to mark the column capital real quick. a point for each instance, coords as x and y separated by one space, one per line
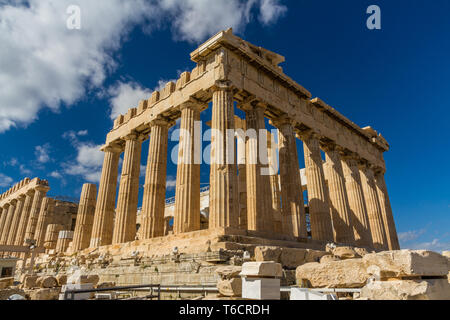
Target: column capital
308 135
282 121
134 136
42 188
113 148
222 86
161 122
192 104
13 202
31 192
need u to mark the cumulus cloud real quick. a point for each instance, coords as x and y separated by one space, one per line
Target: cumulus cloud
88 163
42 153
171 183
45 65
410 235
436 245
5 181
125 96
56 175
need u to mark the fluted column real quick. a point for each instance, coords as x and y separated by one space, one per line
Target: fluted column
242 175
187 194
12 233
360 219
125 222
319 210
45 217
20 237
153 204
274 183
85 218
39 195
8 221
51 236
4 214
386 211
292 204
340 208
259 200
373 207
102 229
223 195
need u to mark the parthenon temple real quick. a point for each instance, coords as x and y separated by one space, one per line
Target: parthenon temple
340 196
347 198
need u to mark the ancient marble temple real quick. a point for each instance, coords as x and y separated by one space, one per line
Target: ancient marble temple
347 200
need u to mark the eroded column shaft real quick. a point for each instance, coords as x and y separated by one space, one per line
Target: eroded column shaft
259 200
8 221
187 194
15 221
85 217
319 210
358 210
34 213
274 184
45 216
292 205
386 211
102 229
21 230
224 202
373 208
125 222
155 182
340 209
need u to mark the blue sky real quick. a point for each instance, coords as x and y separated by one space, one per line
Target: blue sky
59 87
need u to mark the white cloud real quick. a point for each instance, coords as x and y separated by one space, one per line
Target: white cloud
171 183
44 64
56 175
5 181
125 96
42 153
88 163
271 11
410 235
435 245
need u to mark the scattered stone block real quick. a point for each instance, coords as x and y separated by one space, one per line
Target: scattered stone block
261 269
345 253
266 253
315 255
291 258
403 263
78 286
433 289
6 293
230 287
261 289
61 279
45 294
328 258
349 273
6 282
29 281
106 285
47 282
228 272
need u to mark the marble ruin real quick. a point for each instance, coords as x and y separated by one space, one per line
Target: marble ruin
260 204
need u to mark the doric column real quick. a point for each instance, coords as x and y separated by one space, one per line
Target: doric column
373 207
242 176
292 204
8 221
319 210
340 209
3 214
386 211
274 183
187 194
223 195
153 204
51 236
360 220
125 222
259 199
15 221
20 237
85 218
45 217
39 195
102 229
64 239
